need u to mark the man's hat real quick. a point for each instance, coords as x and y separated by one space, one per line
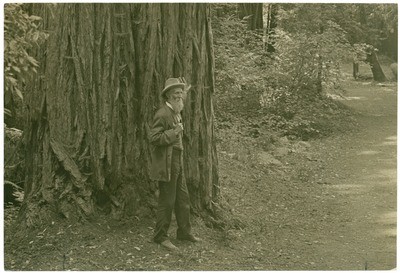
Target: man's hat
171 83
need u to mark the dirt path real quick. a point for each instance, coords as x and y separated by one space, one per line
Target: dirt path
334 206
363 185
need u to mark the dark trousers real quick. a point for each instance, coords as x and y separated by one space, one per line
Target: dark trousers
174 195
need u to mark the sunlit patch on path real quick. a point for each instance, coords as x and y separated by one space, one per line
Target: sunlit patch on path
355 98
385 176
389 141
389 219
389 173
349 188
368 153
337 97
392 138
391 232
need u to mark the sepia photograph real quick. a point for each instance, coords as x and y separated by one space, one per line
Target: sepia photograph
199 136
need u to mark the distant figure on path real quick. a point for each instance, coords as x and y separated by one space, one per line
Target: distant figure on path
166 166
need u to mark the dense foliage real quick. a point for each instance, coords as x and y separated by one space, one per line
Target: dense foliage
288 86
241 68
374 25
21 34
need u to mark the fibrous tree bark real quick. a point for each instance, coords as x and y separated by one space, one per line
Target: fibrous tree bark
356 72
270 23
93 101
375 65
254 14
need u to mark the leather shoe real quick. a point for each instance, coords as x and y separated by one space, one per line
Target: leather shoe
190 238
168 245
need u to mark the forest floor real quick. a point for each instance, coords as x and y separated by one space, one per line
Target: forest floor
324 204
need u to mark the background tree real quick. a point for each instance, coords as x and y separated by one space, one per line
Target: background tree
381 21
270 23
93 101
253 12
372 59
372 28
389 38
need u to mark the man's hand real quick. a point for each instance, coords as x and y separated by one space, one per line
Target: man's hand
178 128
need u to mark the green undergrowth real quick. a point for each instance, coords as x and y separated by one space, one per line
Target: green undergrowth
245 73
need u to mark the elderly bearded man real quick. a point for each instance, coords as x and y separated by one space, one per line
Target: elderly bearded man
166 167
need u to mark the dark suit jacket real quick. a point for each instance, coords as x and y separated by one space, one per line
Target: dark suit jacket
162 138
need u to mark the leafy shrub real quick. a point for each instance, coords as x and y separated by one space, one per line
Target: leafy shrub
239 62
288 86
306 65
14 165
21 34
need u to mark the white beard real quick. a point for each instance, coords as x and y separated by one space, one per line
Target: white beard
177 105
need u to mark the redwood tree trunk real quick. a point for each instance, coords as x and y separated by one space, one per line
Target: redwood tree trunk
255 13
376 68
93 101
356 72
270 25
